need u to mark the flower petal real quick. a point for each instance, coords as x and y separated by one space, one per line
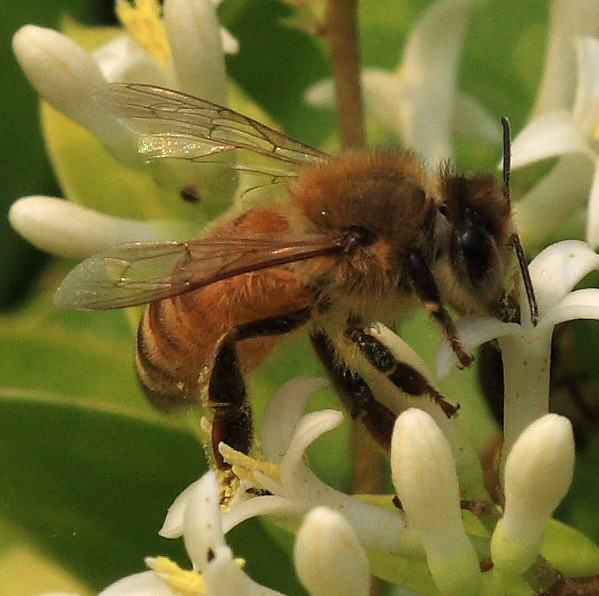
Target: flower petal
173 525
581 304
283 413
262 506
328 557
202 530
384 97
321 94
121 60
424 476
194 35
554 199
550 135
473 331
593 210
473 121
377 527
586 108
139 584
557 269
223 577
538 474
229 43
429 68
568 19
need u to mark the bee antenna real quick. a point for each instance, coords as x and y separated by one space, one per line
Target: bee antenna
507 160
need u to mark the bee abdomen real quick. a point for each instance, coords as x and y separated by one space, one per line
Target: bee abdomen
169 361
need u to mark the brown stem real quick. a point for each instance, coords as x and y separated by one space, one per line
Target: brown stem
342 37
341 33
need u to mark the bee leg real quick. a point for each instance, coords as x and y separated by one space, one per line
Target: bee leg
227 394
427 290
232 422
402 375
354 392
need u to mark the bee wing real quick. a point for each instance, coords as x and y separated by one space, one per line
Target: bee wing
143 272
173 124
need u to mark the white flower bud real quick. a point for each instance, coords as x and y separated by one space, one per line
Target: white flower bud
138 584
538 474
328 557
69 230
424 475
65 75
59 69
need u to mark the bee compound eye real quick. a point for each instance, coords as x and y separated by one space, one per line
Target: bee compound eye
476 250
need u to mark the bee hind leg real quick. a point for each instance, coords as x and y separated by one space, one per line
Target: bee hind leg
227 394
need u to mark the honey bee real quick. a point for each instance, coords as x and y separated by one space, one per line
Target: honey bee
349 242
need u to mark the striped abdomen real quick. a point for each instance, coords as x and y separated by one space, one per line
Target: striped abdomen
179 338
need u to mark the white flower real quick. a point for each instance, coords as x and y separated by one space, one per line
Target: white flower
286 434
554 273
424 476
568 19
420 102
183 51
538 474
328 556
571 134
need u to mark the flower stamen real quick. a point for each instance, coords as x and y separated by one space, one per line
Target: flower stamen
181 581
142 20
244 466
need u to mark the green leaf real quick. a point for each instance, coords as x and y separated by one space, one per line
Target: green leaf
75 353
569 551
91 483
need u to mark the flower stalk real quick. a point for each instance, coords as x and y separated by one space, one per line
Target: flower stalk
341 33
526 369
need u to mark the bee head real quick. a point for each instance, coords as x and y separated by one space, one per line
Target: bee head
480 249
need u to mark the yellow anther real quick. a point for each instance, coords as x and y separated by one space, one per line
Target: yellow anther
142 20
181 581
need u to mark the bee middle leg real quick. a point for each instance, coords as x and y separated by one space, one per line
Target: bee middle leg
227 394
355 393
404 376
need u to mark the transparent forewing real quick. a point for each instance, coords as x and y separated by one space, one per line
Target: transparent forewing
173 124
143 272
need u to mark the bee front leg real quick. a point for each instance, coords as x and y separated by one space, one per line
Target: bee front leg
426 289
227 394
